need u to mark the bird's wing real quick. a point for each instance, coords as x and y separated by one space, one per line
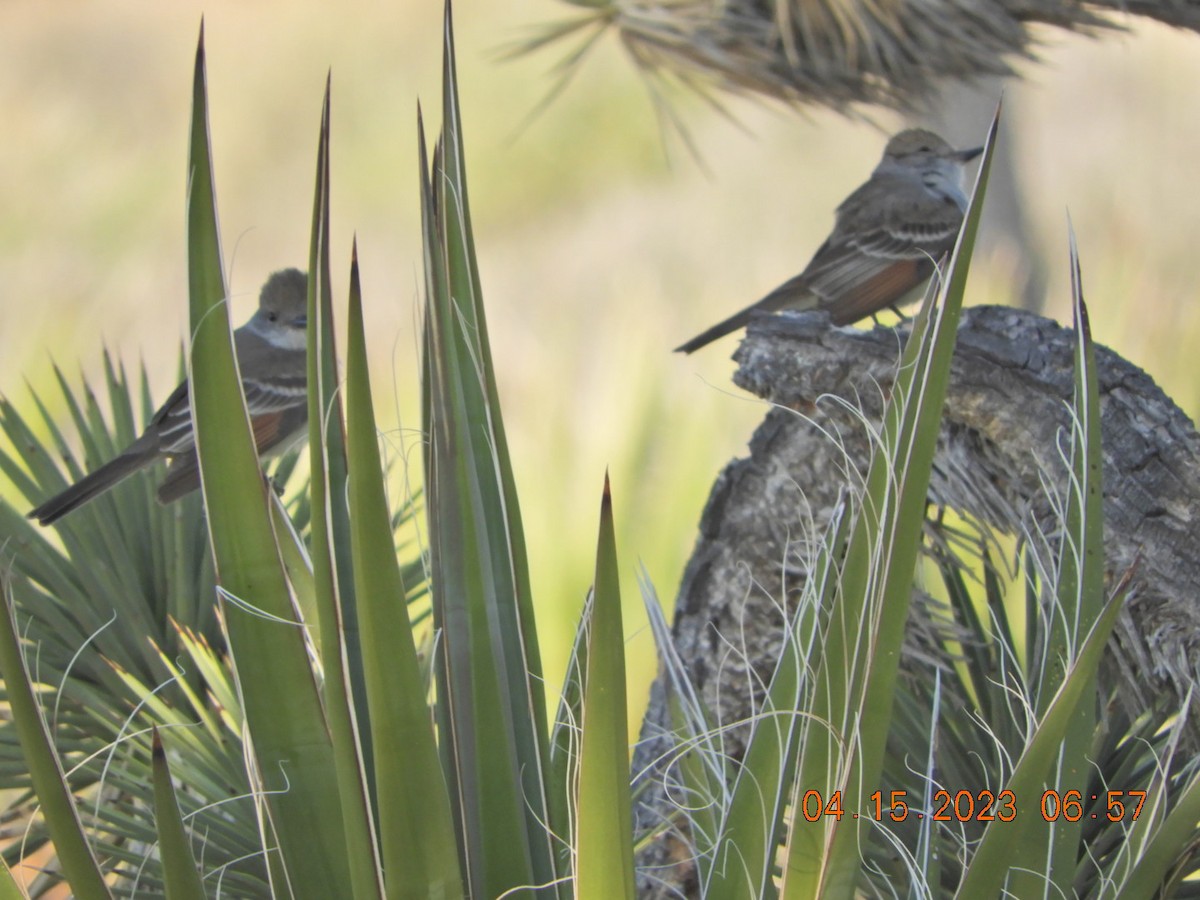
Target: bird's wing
883 246
173 423
277 402
274 392
277 414
274 383
273 378
901 218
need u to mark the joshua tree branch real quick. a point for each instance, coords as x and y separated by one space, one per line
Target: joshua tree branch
839 54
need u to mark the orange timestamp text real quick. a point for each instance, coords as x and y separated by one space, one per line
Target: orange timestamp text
977 806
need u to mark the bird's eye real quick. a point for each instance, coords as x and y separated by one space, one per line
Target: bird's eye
272 317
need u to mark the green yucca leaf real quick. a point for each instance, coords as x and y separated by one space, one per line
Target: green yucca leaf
491 710
292 748
299 568
416 827
464 273
218 679
1080 596
333 573
603 820
179 866
79 863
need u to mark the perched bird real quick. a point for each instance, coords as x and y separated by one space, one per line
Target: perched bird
271 356
886 240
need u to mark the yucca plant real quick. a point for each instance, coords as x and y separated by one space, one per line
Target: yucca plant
310 703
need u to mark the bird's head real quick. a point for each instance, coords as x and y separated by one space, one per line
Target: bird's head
919 148
282 316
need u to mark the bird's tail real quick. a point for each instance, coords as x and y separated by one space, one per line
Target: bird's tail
733 323
93 485
792 294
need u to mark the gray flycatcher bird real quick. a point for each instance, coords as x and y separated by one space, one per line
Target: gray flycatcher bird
887 237
273 363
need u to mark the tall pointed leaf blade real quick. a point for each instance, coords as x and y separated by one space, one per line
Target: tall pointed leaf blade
75 854
179 866
1080 598
856 682
42 469
1022 839
416 828
465 267
492 713
604 821
298 566
332 574
433 402
1081 581
283 710
465 586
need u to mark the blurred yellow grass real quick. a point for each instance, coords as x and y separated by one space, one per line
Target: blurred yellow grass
601 247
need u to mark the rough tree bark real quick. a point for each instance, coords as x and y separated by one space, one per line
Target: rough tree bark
1002 432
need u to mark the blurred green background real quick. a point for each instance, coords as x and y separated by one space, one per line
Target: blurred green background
602 242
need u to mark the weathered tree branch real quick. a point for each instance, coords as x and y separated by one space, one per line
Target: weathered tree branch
1002 443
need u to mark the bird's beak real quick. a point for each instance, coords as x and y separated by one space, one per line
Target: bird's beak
968 155
301 321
